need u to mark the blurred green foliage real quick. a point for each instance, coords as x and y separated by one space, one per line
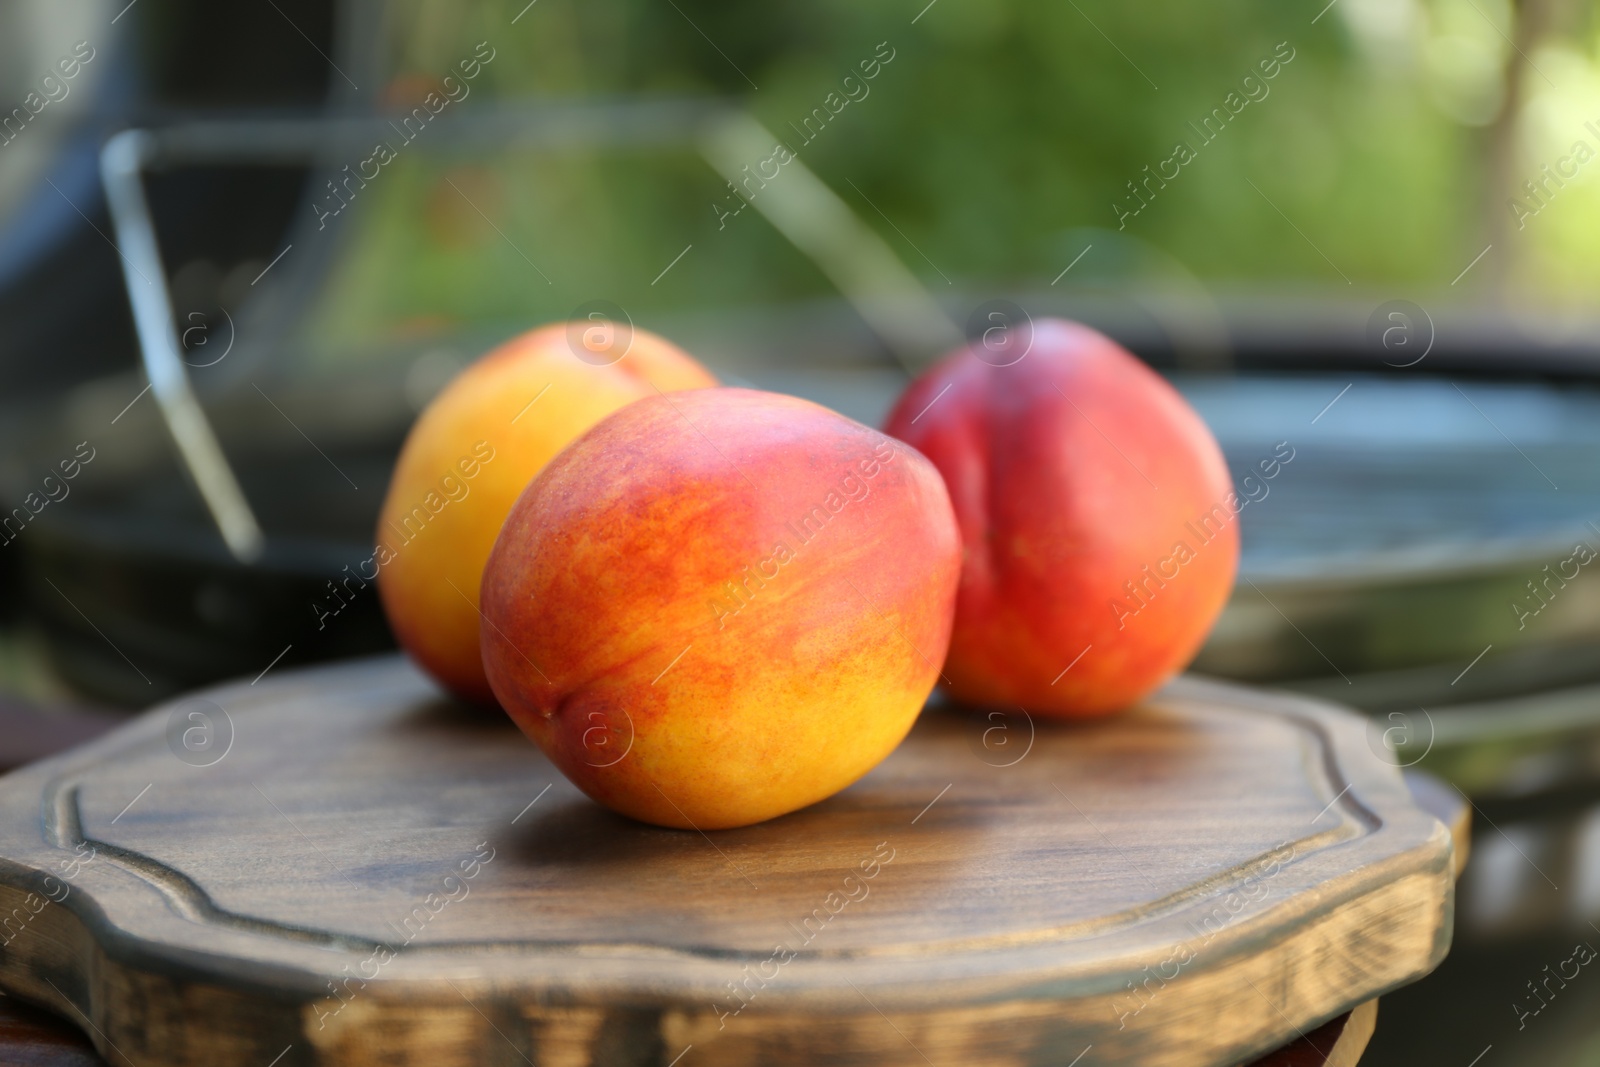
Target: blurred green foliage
1000 133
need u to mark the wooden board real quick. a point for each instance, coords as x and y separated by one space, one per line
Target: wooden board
1449 805
348 869
30 1037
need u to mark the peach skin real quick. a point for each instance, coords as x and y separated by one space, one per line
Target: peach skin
473 451
1097 513
722 605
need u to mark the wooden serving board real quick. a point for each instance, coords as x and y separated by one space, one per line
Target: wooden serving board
339 866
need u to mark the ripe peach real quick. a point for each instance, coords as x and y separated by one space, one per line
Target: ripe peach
722 605
473 451
1097 513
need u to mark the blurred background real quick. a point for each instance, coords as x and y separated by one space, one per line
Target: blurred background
1360 231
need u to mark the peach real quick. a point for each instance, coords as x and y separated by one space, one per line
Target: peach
1097 514
722 605
472 452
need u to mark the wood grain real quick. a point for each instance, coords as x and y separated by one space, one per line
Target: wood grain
30 1037
372 875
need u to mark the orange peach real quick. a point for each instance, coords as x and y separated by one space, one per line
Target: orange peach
721 605
1097 513
473 451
